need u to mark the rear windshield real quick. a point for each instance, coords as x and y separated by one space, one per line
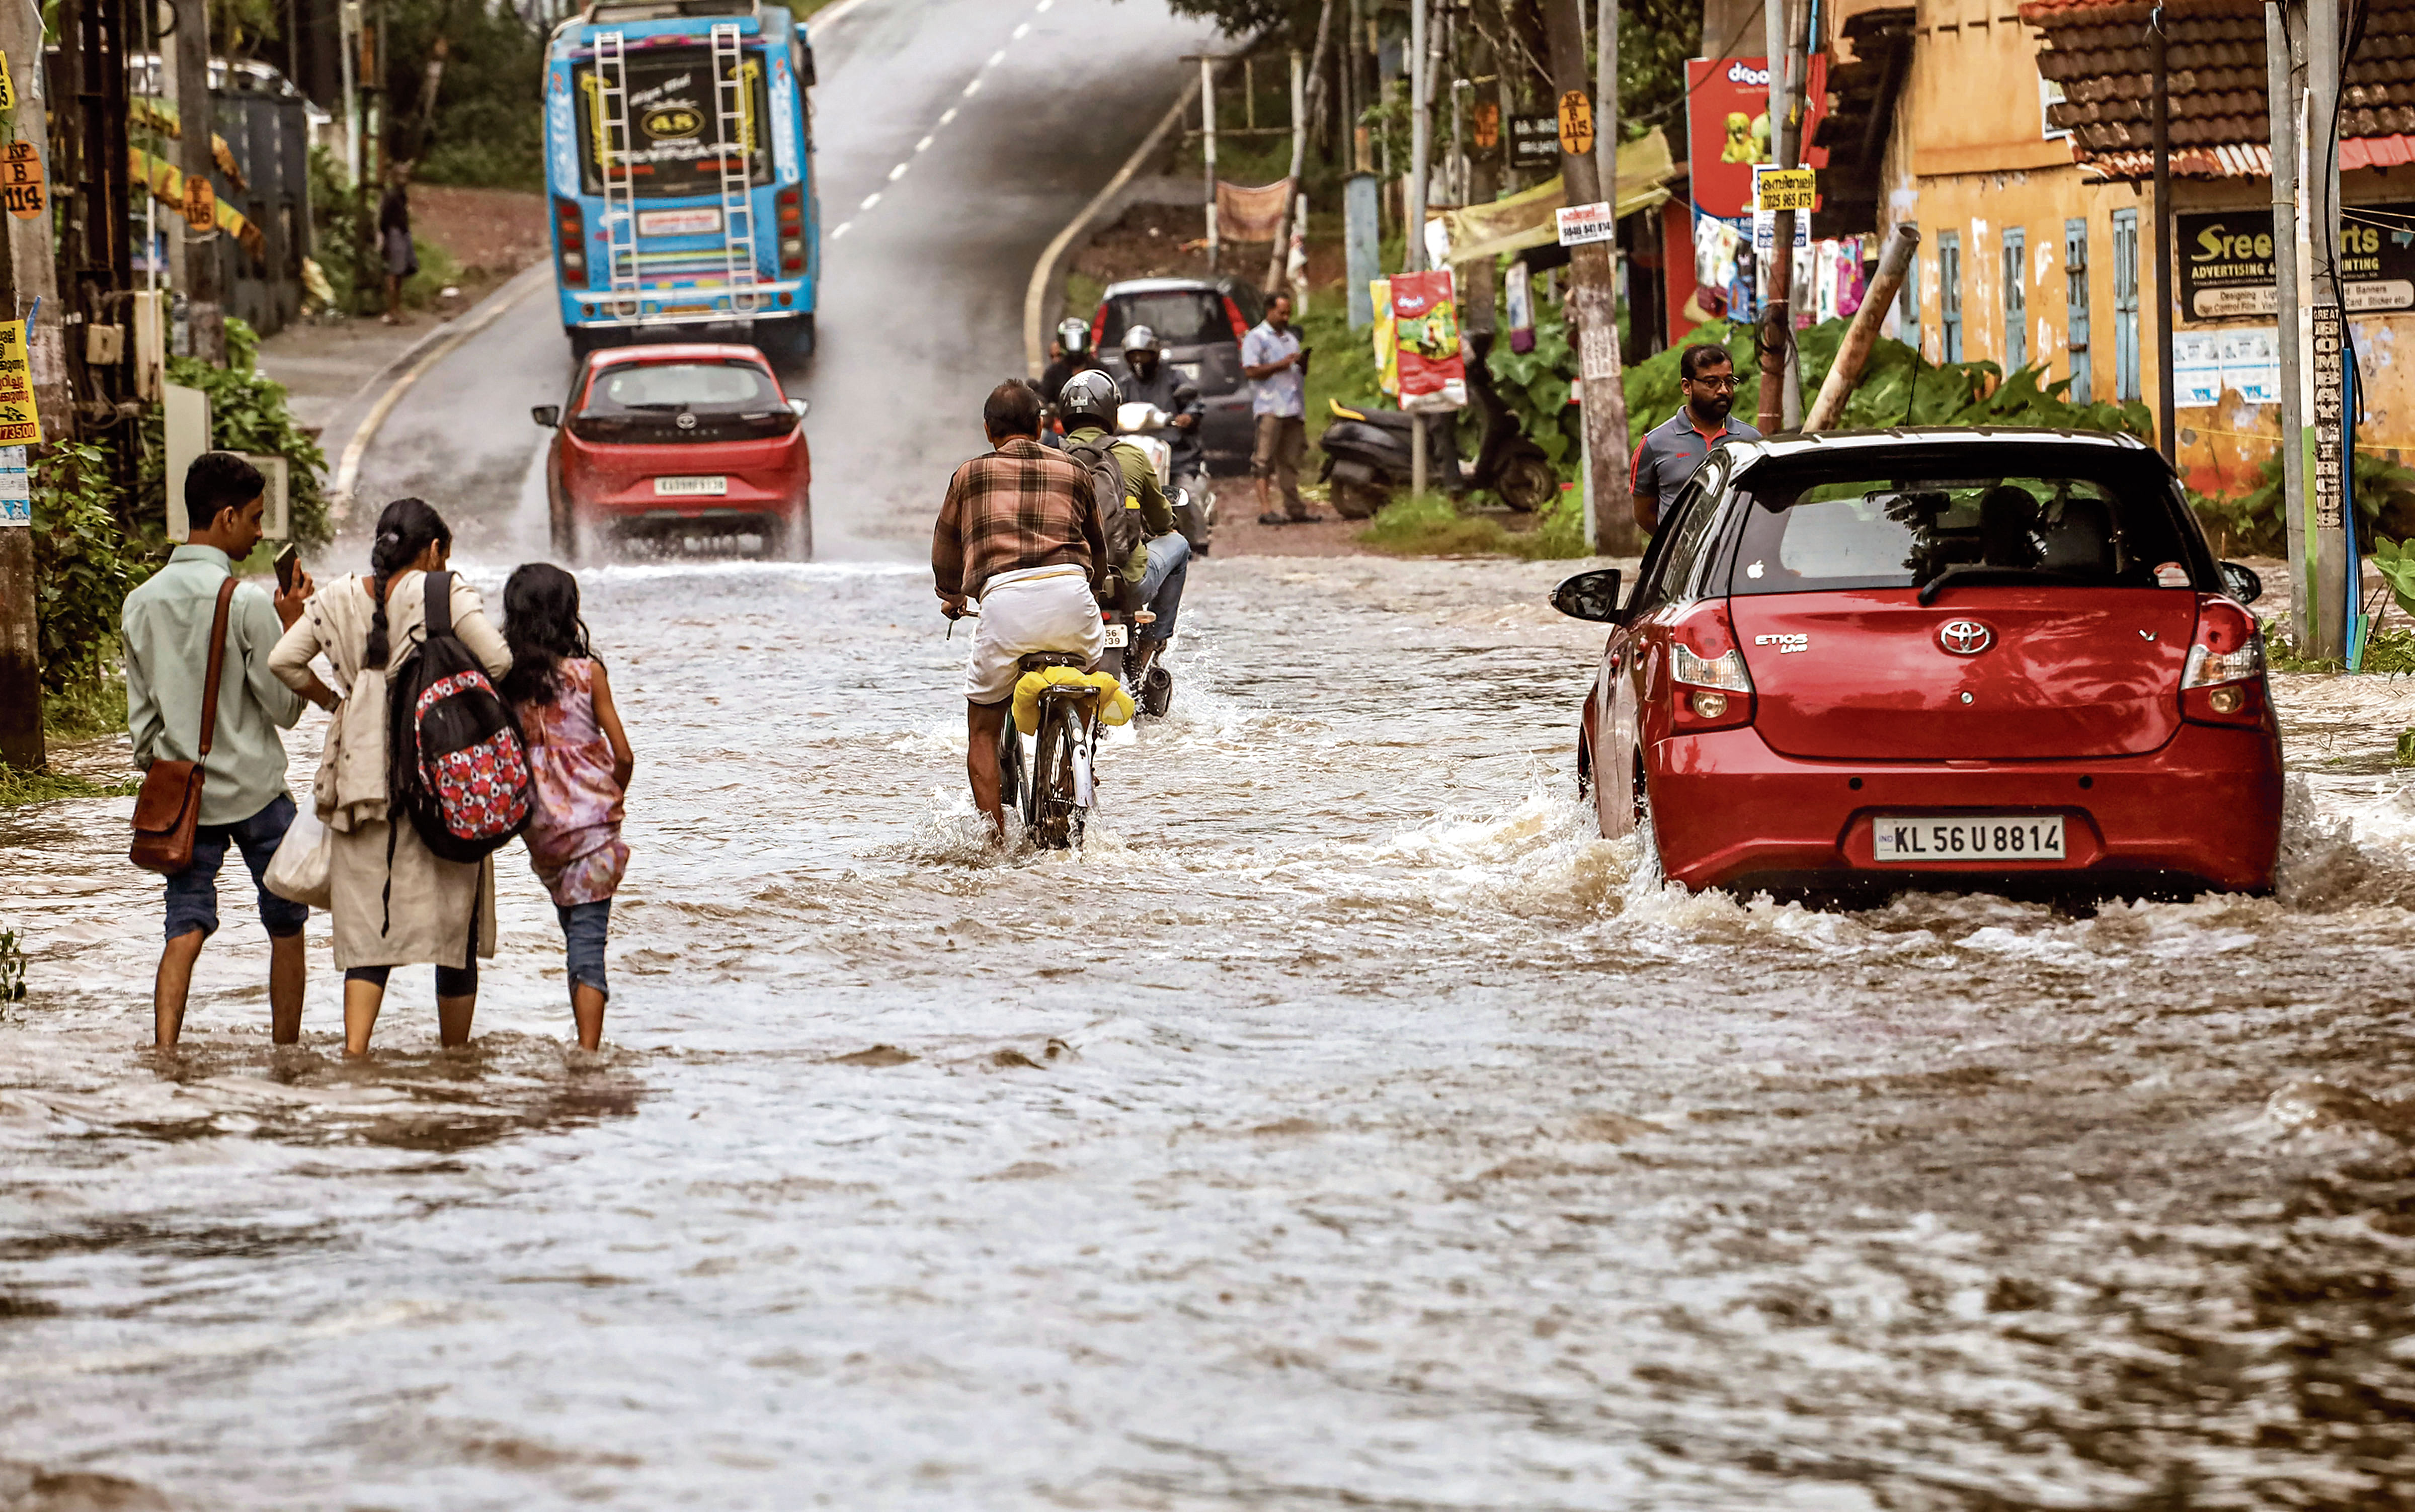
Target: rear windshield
1808 534
676 145
704 387
1180 318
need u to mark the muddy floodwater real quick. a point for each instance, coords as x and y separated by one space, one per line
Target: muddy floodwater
1345 1127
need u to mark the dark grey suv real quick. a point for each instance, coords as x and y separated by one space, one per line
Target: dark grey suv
1200 324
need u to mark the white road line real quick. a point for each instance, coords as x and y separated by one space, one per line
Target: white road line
843 227
1021 32
996 58
898 172
972 89
925 145
1045 5
869 201
947 115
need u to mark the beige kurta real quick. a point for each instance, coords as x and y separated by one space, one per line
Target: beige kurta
428 917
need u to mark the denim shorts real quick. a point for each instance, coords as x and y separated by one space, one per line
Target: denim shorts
193 892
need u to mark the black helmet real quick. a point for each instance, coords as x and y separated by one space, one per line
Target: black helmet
1088 396
1073 335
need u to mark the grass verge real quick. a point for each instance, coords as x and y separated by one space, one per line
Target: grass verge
86 711
1430 525
18 788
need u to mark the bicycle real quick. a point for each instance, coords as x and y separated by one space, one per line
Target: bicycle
1050 788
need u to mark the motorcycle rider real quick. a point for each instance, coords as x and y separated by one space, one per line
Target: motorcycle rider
1149 378
1073 354
1159 566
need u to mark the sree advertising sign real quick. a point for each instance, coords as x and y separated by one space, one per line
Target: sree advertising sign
2226 269
1728 129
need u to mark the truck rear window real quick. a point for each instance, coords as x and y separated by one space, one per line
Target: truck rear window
1180 318
1907 529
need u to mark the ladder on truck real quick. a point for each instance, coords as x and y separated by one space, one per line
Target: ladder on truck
619 182
734 128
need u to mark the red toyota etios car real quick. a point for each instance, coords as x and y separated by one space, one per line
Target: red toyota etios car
1979 660
676 442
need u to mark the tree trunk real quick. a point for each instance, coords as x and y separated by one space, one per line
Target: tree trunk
197 125
1593 305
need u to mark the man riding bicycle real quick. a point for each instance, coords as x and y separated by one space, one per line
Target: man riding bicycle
1018 532
1156 570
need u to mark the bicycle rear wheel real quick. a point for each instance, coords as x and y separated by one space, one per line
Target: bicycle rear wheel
1013 789
1055 812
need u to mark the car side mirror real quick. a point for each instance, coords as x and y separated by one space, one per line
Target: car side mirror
1589 595
2241 582
547 415
801 406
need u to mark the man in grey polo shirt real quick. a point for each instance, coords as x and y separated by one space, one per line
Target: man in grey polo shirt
1672 451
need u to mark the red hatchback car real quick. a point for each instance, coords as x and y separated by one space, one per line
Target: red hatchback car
1982 660
676 442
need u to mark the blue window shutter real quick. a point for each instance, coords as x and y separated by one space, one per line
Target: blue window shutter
2017 300
2075 288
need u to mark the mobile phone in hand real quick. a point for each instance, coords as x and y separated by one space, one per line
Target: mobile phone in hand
288 566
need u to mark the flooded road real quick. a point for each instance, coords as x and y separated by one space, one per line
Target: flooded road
1343 1128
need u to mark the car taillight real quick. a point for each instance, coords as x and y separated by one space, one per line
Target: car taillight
1099 327
1708 686
791 206
2222 681
1232 313
570 228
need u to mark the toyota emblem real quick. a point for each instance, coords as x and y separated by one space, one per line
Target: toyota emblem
1964 637
688 422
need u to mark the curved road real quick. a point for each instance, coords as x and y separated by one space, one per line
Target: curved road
1004 119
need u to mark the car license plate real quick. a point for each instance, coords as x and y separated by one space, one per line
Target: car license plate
1988 837
1118 636
677 487
702 221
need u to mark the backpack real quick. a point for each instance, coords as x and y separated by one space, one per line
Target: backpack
1117 509
457 763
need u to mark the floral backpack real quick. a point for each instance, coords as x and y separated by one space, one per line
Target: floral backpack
457 763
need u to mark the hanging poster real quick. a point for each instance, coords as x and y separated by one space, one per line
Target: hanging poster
1425 313
16 487
1388 348
20 425
1728 130
1519 298
8 86
2197 369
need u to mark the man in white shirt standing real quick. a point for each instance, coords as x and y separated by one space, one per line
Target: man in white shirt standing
1277 366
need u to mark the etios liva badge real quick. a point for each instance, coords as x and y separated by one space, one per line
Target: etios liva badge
1964 637
1784 643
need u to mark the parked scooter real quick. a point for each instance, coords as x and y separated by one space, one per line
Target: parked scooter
1367 452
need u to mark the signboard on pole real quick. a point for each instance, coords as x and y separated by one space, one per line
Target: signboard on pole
2227 264
1583 223
1533 141
1576 123
2326 478
21 180
16 487
1784 188
1727 129
20 425
1425 318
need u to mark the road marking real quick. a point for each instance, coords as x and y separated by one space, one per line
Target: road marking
1025 30
869 201
972 89
843 227
947 115
899 171
348 468
925 145
996 58
1043 6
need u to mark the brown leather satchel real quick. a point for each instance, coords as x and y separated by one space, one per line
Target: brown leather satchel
170 804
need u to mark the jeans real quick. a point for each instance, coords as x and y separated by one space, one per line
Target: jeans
193 892
1161 587
583 927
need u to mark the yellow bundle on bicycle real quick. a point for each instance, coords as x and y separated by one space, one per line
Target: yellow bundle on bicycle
1114 704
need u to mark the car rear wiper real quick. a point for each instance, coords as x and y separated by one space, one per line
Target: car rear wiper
1969 572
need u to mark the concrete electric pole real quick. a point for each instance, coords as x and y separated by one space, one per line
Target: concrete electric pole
197 132
32 290
1592 296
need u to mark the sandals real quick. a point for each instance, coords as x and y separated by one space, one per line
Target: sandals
1271 518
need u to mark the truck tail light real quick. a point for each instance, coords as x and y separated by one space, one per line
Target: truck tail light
1709 687
790 204
2222 680
570 234
1232 313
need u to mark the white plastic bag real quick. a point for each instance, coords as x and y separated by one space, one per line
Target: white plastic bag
302 869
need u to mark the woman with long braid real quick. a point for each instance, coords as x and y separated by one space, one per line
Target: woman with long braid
395 902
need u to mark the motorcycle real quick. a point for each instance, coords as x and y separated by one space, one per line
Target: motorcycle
1368 452
1145 426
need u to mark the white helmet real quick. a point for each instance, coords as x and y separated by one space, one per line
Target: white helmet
1138 339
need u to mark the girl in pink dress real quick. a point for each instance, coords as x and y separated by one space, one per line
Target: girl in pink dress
581 761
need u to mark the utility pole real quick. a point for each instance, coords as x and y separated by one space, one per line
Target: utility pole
2326 352
1413 239
32 276
1299 162
1781 378
197 132
2166 440
2281 92
1206 145
1592 296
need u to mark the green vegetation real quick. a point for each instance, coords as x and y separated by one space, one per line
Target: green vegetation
83 566
81 711
247 413
2251 524
18 788
1430 525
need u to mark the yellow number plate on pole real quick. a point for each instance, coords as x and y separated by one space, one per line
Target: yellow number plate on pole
1784 188
1575 124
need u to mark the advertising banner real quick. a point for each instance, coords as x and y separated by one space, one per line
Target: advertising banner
1425 317
19 425
2226 270
1727 125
